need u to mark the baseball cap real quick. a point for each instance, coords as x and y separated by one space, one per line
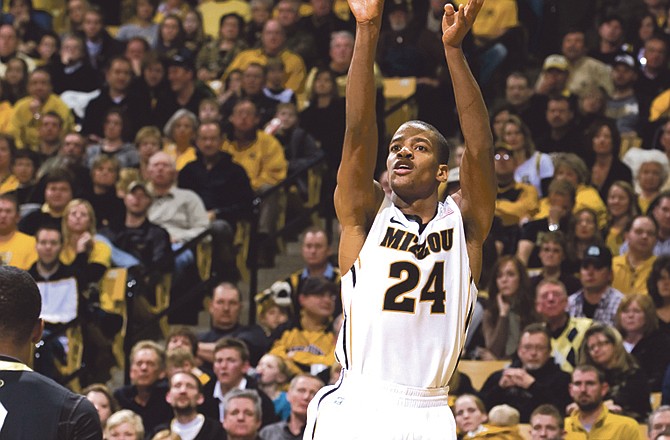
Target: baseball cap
181 59
558 62
136 184
502 146
397 5
626 60
599 256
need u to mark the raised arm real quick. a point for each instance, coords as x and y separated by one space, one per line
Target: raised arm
478 183
357 197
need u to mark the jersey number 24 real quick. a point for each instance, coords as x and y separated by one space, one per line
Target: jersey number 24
409 276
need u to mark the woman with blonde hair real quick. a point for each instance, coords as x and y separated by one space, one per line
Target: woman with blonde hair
532 166
124 424
89 257
637 321
148 141
628 394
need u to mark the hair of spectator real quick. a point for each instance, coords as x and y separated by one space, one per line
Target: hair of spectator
552 282
56 116
103 159
550 410
478 402
104 390
147 344
315 230
20 305
297 377
662 263
629 223
341 34
180 114
125 416
185 332
538 328
59 175
563 188
233 343
587 368
49 227
249 394
149 132
238 17
198 384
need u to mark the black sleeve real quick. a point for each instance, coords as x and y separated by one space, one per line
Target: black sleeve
79 420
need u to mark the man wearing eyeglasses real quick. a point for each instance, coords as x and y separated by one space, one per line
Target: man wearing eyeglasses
532 379
516 202
567 332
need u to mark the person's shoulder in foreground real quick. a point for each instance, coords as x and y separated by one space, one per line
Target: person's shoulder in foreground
33 406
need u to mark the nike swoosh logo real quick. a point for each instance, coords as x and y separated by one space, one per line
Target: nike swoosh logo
393 220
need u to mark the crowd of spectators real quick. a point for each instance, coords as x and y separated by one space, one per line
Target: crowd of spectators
128 128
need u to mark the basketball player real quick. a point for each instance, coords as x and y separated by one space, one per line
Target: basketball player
411 261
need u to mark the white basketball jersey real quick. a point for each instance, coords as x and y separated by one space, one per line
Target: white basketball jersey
408 299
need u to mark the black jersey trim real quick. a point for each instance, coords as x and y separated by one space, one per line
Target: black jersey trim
335 388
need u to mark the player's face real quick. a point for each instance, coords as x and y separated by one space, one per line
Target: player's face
301 393
183 393
544 427
229 367
240 419
468 415
145 368
413 162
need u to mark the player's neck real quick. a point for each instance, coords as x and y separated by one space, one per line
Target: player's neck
424 209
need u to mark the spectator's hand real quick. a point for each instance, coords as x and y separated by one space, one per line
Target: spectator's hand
85 243
613 407
211 216
521 378
506 380
503 306
571 408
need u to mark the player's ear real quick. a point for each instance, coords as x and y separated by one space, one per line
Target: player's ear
38 329
442 172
